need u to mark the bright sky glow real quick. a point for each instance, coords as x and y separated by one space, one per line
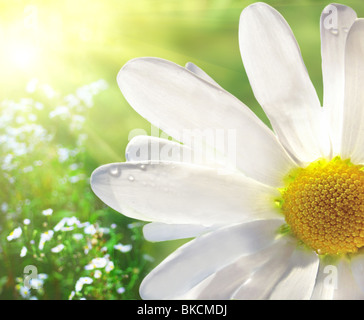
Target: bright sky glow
22 55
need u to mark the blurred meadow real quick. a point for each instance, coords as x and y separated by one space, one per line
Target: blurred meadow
62 115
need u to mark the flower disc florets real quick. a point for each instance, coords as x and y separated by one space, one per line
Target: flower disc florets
324 205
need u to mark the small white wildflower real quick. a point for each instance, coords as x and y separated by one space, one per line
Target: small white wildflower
77 236
97 274
36 283
134 225
72 294
149 258
104 230
120 290
88 247
123 248
63 154
99 262
109 267
47 212
60 111
75 179
28 169
72 221
67 229
58 248
4 207
80 282
26 221
90 230
60 226
42 276
23 252
74 166
24 292
15 234
44 237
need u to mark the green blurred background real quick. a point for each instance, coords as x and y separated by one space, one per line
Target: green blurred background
50 49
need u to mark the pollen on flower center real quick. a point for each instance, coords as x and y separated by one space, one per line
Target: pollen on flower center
324 205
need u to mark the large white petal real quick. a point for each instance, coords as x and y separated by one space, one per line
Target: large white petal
190 109
340 280
281 83
199 72
298 280
157 231
263 280
238 279
172 192
347 286
326 281
336 20
357 267
353 125
204 256
223 283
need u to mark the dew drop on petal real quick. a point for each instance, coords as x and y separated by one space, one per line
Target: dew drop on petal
131 178
115 171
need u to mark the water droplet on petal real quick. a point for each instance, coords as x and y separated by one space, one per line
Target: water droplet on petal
143 167
346 30
131 178
334 31
115 171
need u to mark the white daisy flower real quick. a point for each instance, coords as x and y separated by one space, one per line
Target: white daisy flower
109 267
82 281
47 212
294 207
97 263
90 230
36 283
97 274
66 224
24 292
15 234
58 248
44 237
123 248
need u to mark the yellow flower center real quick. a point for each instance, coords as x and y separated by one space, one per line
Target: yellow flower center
324 205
